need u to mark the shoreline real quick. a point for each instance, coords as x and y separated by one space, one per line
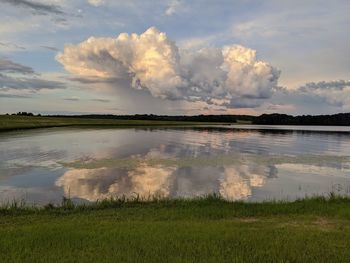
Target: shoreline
321 204
14 123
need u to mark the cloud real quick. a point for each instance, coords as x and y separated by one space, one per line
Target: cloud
92 80
101 100
174 7
151 61
323 97
326 85
72 99
15 76
77 99
33 83
334 93
10 46
13 96
36 7
9 66
50 48
96 2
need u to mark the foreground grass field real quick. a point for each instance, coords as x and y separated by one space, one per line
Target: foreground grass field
14 122
201 230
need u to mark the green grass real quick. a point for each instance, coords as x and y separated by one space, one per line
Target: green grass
164 230
14 122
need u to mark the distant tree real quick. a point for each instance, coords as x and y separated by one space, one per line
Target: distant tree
340 119
24 113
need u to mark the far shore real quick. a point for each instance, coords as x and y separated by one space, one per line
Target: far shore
15 122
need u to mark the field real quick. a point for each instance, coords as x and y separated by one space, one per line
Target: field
14 122
198 230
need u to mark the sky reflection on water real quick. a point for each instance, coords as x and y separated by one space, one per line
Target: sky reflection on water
90 164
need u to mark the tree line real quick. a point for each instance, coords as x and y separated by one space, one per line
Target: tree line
342 119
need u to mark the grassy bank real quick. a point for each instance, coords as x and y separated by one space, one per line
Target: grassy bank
14 122
200 230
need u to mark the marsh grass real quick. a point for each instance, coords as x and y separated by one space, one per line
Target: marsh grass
317 205
10 122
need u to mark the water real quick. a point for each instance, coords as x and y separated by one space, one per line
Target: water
252 163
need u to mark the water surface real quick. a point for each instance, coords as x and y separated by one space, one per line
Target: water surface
251 163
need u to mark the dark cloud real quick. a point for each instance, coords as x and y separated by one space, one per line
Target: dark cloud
34 83
50 48
77 99
9 66
72 99
336 93
36 7
92 80
333 96
336 84
244 103
60 20
19 77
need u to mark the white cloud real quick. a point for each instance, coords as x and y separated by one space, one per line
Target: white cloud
96 2
228 76
174 7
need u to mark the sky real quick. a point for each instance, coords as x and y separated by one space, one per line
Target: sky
175 57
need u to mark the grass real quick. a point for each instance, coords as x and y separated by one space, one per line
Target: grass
206 229
14 122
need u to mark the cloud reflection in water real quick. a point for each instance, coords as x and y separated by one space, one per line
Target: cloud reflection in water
232 182
94 184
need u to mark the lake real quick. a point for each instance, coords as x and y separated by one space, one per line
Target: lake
240 162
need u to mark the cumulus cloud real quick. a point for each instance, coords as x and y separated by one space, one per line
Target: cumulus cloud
230 76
